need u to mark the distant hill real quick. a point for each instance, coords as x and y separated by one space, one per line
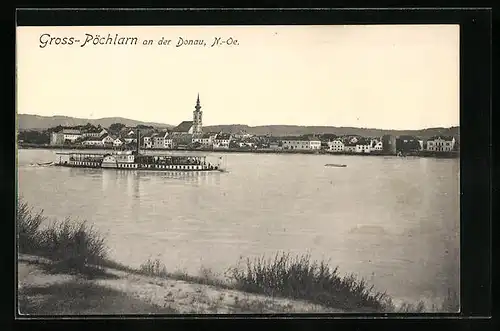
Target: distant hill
284 130
30 122
27 122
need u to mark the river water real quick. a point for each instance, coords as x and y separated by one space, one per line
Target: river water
393 221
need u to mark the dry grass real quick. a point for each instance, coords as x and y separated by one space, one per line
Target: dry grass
294 278
302 278
450 304
153 268
28 225
205 277
74 246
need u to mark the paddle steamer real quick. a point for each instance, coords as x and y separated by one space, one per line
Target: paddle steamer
135 160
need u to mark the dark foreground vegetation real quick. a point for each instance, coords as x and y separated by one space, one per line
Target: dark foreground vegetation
70 298
73 246
77 247
302 278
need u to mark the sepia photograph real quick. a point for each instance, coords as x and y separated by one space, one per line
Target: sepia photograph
268 169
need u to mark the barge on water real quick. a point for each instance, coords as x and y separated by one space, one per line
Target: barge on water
134 160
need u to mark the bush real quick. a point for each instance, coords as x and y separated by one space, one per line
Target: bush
450 304
153 268
28 224
301 278
73 245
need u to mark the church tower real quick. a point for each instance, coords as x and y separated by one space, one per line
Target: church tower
197 117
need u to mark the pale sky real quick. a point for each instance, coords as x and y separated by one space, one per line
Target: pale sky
373 76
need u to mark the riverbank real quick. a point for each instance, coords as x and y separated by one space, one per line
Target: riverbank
42 290
64 268
453 154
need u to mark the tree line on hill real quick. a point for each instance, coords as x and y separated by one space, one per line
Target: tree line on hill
37 122
34 137
41 137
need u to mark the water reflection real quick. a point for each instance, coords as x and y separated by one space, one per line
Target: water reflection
134 177
82 172
193 177
106 177
132 183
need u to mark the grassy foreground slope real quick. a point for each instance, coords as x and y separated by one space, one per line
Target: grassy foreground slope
64 268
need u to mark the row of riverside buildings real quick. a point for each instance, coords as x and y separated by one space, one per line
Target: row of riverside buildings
91 137
189 134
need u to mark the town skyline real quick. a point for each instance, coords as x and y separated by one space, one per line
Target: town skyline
380 77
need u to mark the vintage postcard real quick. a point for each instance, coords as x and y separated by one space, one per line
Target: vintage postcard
238 169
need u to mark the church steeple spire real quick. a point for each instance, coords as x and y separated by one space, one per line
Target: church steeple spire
197 117
198 107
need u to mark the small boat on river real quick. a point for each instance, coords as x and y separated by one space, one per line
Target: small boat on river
335 165
134 160
45 164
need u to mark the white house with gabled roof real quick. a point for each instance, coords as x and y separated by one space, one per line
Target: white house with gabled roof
117 142
206 139
168 141
147 142
376 145
107 139
159 140
222 140
363 146
441 144
336 146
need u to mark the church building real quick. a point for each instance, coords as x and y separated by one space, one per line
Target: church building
194 127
